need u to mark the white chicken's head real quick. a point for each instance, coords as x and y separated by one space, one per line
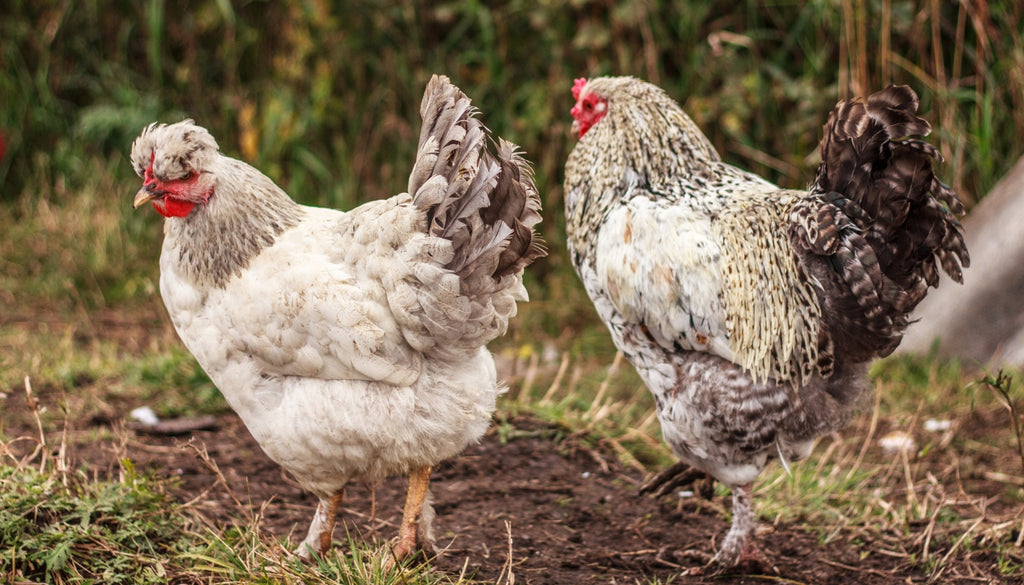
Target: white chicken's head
174 161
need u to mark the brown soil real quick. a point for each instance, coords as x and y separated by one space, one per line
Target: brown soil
574 514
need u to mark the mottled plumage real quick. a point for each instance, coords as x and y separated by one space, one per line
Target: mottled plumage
350 343
751 311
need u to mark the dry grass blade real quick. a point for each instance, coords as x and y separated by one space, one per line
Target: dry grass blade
33 405
526 388
507 575
868 437
207 461
556 384
598 405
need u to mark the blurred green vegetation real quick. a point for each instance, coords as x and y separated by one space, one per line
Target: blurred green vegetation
324 98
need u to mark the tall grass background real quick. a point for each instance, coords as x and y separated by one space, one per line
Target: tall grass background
323 97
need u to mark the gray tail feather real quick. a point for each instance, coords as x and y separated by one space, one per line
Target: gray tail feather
880 219
484 202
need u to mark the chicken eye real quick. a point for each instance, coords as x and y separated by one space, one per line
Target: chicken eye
588 106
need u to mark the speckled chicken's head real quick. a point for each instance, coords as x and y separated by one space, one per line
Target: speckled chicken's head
599 96
589 109
174 161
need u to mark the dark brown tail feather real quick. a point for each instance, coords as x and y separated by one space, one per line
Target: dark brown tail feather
880 219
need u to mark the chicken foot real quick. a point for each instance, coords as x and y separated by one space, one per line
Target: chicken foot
739 546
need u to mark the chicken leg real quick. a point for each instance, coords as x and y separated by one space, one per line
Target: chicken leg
321 528
417 510
739 545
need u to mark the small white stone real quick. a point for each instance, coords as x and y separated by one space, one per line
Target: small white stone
897 441
145 415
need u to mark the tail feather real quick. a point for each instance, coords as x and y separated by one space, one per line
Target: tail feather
881 218
485 203
516 204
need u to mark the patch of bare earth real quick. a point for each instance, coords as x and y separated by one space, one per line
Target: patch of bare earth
574 514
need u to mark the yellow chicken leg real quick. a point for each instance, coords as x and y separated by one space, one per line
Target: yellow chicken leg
321 529
419 483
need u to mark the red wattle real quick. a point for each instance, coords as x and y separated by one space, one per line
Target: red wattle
168 207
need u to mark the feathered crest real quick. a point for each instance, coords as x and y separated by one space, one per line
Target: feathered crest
172 149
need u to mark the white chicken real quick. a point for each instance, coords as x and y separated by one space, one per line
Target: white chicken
352 344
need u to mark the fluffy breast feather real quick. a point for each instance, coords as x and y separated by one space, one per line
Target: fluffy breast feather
308 346
660 266
724 281
360 295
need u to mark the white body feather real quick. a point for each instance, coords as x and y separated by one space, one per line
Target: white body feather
660 265
297 344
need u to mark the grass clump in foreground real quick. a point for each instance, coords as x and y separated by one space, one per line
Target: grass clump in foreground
61 526
948 504
58 527
241 555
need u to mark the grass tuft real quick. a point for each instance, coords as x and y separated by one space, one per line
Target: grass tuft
1002 384
61 526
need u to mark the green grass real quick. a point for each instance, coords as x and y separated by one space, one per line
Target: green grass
920 504
62 527
603 405
327 105
240 555
59 525
76 241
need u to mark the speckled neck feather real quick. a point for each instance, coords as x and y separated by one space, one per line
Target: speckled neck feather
245 214
644 137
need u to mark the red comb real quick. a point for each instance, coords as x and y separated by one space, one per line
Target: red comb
577 87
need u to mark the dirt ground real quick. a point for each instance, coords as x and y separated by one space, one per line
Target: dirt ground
574 513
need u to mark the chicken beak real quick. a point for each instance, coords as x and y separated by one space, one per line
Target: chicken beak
142 197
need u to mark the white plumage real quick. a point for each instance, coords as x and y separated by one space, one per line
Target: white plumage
352 344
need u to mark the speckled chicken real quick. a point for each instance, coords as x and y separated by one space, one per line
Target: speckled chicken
751 311
352 344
